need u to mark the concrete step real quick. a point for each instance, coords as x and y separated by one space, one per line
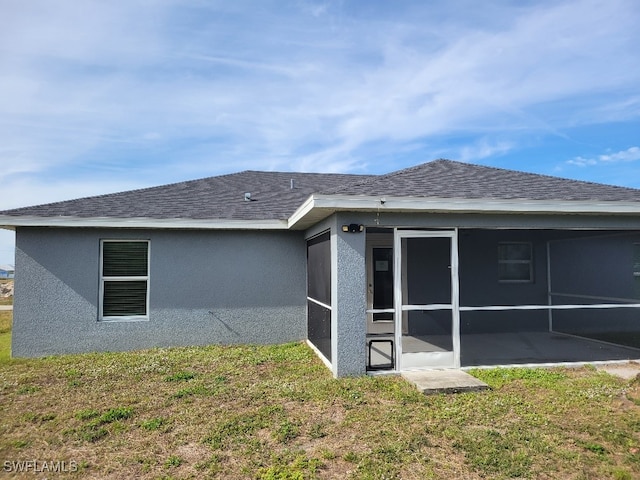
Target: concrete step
444 381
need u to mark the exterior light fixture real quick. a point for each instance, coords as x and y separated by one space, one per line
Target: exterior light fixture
353 228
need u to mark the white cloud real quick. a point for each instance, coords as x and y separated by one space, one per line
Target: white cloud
582 162
483 149
631 154
215 84
628 155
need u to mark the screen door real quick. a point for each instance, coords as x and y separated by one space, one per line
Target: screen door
426 299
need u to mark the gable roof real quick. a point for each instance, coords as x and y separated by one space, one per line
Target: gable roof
437 186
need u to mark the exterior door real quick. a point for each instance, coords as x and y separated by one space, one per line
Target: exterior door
380 286
426 299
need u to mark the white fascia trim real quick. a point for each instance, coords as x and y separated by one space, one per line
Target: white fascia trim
460 205
339 203
302 211
160 223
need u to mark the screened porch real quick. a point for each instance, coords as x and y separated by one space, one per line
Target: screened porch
482 297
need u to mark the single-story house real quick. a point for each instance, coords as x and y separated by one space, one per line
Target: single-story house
442 265
7 271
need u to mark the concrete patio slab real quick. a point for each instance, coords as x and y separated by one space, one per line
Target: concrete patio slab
530 348
444 381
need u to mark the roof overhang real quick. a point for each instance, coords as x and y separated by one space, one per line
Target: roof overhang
318 207
11 222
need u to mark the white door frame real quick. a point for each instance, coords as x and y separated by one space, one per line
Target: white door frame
430 359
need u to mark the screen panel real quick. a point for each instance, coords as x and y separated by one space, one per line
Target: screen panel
319 293
319 268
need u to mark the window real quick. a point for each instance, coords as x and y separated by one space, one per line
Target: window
636 268
515 263
124 280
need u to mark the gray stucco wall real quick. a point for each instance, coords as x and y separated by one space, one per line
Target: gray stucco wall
206 287
348 300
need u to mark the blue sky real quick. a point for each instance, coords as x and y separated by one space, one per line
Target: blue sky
104 96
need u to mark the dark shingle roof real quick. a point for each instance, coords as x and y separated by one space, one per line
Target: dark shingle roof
449 179
273 198
219 197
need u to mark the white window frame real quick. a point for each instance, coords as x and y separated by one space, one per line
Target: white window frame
520 262
103 279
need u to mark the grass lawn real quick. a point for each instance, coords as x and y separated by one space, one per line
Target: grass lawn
276 413
5 338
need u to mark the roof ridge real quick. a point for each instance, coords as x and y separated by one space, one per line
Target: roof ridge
543 175
374 178
156 199
350 181
220 196
104 195
508 170
281 172
421 165
173 184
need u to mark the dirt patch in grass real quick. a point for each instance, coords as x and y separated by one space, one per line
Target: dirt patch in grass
6 291
276 412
